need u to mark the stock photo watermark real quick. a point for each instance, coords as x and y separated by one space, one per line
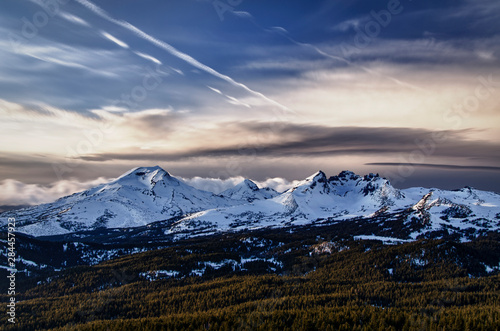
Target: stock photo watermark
151 80
250 149
370 30
31 26
485 88
223 6
11 263
89 311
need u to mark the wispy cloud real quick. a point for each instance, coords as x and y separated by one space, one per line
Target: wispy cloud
347 25
74 19
332 56
66 56
243 14
231 100
349 62
114 39
173 51
215 90
436 166
67 129
148 57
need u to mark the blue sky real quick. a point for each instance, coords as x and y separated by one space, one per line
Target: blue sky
239 88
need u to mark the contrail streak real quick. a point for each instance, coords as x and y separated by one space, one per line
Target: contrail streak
338 58
175 52
286 35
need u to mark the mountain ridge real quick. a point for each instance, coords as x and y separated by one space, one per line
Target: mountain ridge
146 195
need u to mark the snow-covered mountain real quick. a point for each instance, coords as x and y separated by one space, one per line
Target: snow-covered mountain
317 197
348 196
138 197
248 191
146 195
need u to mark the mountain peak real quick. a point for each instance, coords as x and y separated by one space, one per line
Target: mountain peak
319 176
147 176
343 176
249 191
248 183
145 171
140 171
316 180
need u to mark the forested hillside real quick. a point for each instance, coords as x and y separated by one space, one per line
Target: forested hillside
278 281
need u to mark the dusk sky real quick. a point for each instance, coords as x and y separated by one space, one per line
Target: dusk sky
269 90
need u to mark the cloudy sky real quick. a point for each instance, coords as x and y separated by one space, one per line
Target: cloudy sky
270 90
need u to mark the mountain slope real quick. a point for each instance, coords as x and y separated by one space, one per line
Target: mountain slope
317 200
314 198
151 197
139 197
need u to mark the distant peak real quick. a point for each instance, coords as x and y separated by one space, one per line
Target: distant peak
345 175
318 179
319 176
141 172
250 184
469 189
150 169
245 185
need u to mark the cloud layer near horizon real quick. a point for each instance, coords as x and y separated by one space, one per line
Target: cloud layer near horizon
16 193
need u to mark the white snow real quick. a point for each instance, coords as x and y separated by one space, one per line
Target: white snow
139 197
27 262
491 269
385 240
158 274
145 195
